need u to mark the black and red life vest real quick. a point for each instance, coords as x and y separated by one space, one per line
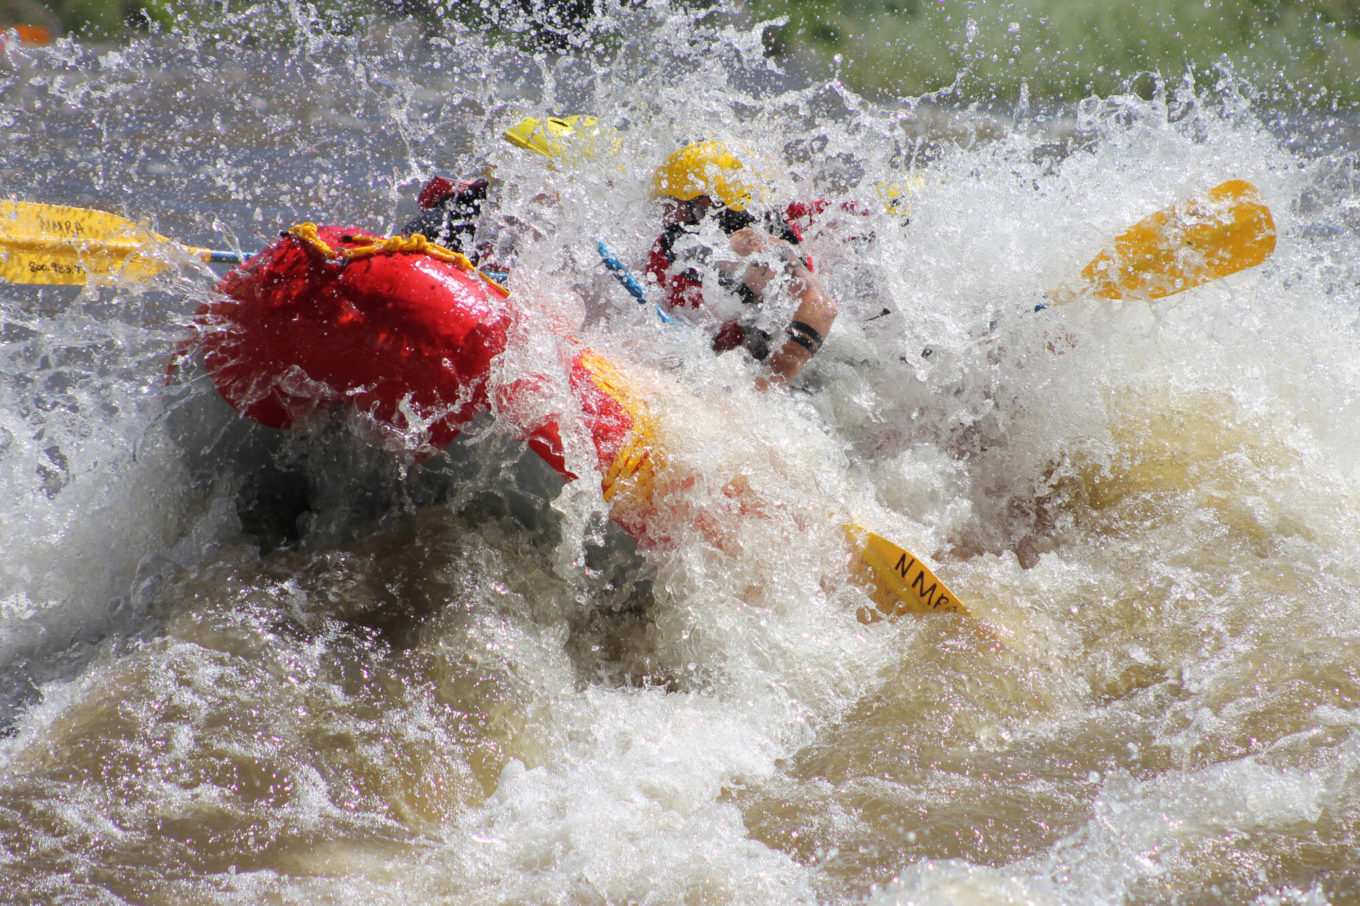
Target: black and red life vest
680 274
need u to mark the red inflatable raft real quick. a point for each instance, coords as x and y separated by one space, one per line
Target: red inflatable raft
405 332
408 333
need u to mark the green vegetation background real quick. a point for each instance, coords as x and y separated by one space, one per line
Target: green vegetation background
1298 51
1295 51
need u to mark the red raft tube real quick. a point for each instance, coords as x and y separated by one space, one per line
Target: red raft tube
405 332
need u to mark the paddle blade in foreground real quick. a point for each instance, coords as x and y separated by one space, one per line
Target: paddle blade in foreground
897 582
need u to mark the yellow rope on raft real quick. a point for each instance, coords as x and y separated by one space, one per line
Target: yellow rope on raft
416 243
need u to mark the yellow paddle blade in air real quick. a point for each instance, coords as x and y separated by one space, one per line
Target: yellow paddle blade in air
1219 233
548 136
64 246
58 245
896 580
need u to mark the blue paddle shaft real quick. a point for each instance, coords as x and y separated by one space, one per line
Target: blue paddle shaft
624 276
621 272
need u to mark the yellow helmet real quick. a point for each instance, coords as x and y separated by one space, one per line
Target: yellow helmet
563 137
704 168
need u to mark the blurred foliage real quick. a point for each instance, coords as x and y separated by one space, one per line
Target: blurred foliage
542 24
95 18
1304 51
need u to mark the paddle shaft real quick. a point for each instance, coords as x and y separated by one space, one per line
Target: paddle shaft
626 278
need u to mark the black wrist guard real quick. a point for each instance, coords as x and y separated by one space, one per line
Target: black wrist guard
805 336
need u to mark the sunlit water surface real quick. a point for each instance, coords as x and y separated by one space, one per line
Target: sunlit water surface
247 667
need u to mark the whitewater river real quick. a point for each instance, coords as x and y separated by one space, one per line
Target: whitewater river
238 666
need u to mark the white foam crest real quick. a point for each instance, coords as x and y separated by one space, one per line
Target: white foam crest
654 824
1139 832
89 466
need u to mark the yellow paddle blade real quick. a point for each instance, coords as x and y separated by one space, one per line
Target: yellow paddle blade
58 245
896 580
1222 232
57 263
563 137
65 246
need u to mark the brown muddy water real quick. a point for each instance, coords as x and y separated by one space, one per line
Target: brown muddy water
248 667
